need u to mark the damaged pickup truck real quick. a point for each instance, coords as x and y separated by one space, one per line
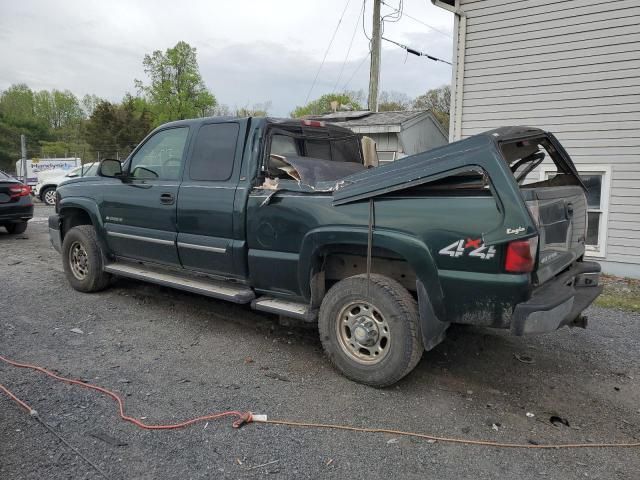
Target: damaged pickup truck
293 218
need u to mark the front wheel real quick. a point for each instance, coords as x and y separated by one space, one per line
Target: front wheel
48 196
371 333
82 260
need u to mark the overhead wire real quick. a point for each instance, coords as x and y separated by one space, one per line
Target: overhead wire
353 36
416 52
315 79
420 21
392 17
364 29
357 70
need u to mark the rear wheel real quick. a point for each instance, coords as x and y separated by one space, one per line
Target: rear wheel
370 333
16 228
83 261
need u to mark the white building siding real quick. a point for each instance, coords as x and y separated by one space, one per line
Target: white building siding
571 67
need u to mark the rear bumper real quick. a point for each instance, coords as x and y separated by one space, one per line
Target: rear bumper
558 302
54 232
16 212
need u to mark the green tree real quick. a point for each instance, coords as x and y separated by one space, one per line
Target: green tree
16 103
393 102
346 100
58 109
256 110
133 121
117 128
89 104
176 90
101 128
10 131
438 100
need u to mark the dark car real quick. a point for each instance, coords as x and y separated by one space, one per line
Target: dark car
16 207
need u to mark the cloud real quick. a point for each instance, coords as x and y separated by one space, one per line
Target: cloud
248 52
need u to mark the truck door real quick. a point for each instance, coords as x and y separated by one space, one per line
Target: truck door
140 215
210 228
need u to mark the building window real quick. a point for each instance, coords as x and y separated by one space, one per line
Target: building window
385 157
597 179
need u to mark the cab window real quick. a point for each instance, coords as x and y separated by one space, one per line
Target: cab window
214 152
161 157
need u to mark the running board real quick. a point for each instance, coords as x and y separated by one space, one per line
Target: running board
203 286
285 307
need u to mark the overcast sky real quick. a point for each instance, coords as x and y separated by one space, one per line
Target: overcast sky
249 51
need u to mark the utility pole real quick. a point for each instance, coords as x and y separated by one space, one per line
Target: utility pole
374 70
23 146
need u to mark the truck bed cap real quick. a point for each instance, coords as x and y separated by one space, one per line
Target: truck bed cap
426 166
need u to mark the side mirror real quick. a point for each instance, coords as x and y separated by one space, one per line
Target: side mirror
71 175
111 168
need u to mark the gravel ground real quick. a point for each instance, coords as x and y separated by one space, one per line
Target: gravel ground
173 356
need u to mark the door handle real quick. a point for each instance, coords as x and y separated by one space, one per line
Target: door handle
167 198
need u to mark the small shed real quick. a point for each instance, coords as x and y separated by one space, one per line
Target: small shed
396 134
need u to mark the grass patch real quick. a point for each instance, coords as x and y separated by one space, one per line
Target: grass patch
621 293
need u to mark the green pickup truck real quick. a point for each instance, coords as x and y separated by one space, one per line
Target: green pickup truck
295 218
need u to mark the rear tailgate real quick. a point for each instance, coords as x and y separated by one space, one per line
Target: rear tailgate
561 215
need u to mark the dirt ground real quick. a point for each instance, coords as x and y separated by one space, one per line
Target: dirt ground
173 356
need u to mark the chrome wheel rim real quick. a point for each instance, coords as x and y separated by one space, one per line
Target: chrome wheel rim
78 261
363 333
50 197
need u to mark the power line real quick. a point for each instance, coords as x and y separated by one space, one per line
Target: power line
364 29
356 70
419 21
353 36
416 52
394 16
327 51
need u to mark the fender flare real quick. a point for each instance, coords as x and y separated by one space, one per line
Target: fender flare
410 248
91 208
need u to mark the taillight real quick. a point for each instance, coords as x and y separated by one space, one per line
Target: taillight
313 123
19 190
521 255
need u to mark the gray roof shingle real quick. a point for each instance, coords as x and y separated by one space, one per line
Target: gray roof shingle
364 117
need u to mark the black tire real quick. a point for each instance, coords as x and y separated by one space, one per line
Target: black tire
396 309
43 196
83 238
16 228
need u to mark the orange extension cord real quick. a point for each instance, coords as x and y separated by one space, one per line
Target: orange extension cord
247 417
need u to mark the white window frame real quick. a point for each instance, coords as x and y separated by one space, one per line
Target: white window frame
590 169
384 162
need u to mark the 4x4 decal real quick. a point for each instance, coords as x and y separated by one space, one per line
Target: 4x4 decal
461 247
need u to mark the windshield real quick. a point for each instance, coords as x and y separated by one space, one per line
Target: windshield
88 170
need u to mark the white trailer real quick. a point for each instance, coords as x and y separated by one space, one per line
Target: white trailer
39 165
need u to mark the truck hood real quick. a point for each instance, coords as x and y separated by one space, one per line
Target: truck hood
68 181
